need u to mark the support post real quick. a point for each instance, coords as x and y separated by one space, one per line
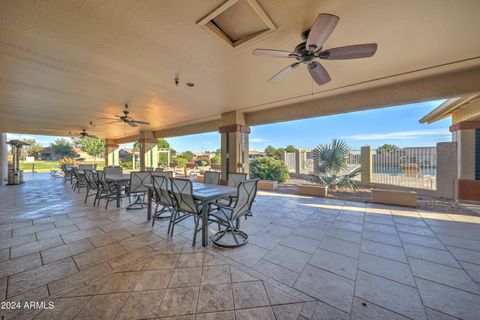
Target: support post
111 153
366 164
297 161
148 150
3 158
234 143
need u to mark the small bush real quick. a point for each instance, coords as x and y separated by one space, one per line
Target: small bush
202 163
267 168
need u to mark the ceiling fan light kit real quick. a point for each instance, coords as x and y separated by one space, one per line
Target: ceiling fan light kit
310 50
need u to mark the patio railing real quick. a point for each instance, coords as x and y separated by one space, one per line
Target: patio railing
411 167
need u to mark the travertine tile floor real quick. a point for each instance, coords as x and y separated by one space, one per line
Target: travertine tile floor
308 258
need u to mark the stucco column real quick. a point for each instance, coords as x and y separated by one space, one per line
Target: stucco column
467 136
148 150
234 143
3 158
298 160
366 164
111 153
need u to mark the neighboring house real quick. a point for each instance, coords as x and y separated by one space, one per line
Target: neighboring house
46 154
252 154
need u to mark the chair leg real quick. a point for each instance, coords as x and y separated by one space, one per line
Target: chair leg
107 198
195 230
173 223
86 195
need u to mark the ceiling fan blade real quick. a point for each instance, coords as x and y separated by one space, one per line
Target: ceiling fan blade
132 124
280 75
140 122
275 53
318 73
355 51
92 136
322 29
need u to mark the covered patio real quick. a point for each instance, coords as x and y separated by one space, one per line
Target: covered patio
138 71
308 258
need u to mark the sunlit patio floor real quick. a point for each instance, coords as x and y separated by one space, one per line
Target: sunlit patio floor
307 258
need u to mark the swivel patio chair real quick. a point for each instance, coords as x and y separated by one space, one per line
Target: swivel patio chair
138 189
67 173
86 166
80 182
211 177
185 206
92 185
162 197
233 181
158 169
228 216
108 191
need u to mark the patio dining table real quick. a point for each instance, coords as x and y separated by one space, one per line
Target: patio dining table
203 192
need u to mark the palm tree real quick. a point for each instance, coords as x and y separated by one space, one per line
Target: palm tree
332 166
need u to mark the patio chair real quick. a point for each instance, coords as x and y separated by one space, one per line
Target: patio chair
80 182
228 216
92 185
234 180
67 173
211 177
137 188
163 197
158 170
149 169
185 206
113 170
108 191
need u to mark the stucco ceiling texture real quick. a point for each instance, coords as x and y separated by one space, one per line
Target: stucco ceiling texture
64 63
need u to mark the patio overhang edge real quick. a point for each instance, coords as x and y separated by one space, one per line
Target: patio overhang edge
445 85
447 108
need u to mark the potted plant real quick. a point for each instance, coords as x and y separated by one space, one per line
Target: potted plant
332 170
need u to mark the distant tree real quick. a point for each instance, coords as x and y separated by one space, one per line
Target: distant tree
32 150
387 148
216 159
62 148
270 151
94 147
162 143
188 155
179 161
290 148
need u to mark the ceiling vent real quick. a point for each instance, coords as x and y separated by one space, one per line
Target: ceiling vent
237 22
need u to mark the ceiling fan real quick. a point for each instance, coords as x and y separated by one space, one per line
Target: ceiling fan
125 118
84 134
310 50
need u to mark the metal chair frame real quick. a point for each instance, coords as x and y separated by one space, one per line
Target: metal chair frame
185 206
137 188
92 185
163 197
228 216
107 191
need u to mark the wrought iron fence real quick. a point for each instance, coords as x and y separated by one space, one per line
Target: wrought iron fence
412 167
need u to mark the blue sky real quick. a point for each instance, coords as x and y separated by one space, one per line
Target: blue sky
397 125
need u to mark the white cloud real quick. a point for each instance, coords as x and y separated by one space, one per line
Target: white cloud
401 135
258 140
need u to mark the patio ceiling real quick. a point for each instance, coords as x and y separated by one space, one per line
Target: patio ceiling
65 63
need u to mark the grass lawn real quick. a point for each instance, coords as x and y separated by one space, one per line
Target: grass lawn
46 166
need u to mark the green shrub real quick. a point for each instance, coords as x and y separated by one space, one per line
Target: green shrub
216 159
202 163
267 168
179 161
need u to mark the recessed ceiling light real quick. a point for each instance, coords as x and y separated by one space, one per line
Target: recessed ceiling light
190 84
